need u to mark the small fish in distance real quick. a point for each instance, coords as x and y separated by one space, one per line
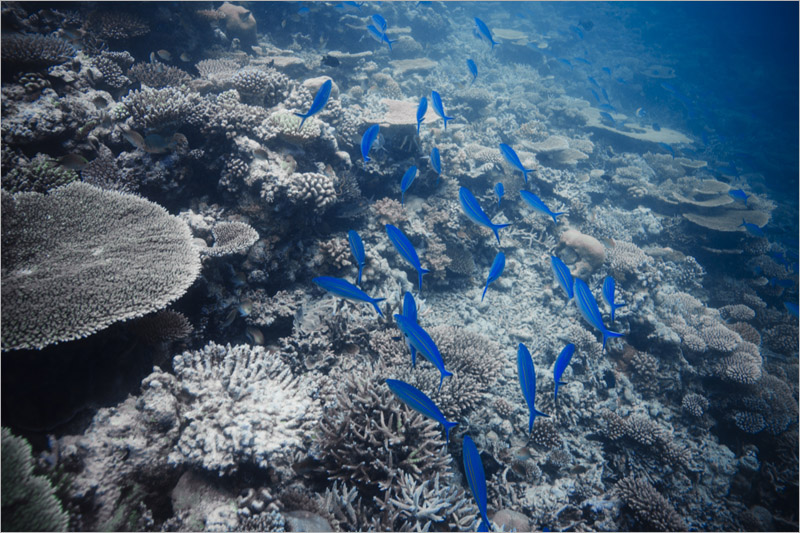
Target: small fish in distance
527 382
471 208
739 195
436 163
405 183
538 205
366 141
751 228
473 68
357 248
476 479
587 305
499 191
420 402
609 287
421 109
406 250
345 289
512 157
483 31
423 343
410 312
563 275
319 102
495 272
561 364
438 107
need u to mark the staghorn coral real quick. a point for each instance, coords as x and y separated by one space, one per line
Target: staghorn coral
694 404
165 108
650 507
266 87
157 75
29 501
231 238
80 259
471 358
720 338
117 24
103 172
162 327
238 405
369 438
738 312
40 174
111 66
32 51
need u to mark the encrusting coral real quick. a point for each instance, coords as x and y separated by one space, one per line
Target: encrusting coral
60 255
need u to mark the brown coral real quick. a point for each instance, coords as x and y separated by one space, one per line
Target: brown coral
651 508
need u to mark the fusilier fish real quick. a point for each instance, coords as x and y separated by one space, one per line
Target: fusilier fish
345 289
473 210
319 102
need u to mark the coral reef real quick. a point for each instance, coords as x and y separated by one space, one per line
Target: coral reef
56 291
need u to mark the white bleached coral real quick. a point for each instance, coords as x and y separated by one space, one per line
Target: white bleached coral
239 405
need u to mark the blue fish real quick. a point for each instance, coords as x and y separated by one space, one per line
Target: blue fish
380 22
582 60
345 5
419 401
405 183
499 191
512 157
357 247
527 381
473 68
587 305
577 30
484 31
319 102
593 81
439 107
739 195
608 107
783 283
538 205
668 148
498 265
366 141
561 364
410 312
608 117
562 275
605 94
751 228
566 62
436 163
345 289
596 96
423 343
476 479
656 126
791 307
406 249
609 287
622 81
606 70
303 11
379 36
421 109
474 212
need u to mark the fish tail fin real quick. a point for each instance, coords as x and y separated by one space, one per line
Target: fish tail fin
497 227
403 198
558 384
447 427
360 268
534 413
418 125
374 303
525 173
413 357
484 526
304 117
494 43
422 272
609 334
742 224
556 215
445 121
445 374
484 291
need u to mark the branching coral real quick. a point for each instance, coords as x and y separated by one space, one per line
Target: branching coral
165 108
81 258
40 174
238 405
29 501
231 238
157 75
651 508
33 51
103 172
266 87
